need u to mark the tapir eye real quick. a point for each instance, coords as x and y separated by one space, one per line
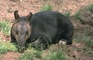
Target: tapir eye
16 32
26 32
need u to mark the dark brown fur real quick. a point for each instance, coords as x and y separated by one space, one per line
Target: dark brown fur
42 29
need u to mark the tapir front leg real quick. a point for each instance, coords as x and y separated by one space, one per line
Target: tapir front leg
40 43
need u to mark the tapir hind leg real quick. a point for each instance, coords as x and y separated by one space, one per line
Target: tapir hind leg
66 38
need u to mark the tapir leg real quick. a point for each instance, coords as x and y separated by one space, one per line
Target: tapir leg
66 38
41 43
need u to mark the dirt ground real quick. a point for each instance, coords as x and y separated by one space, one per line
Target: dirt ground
7 7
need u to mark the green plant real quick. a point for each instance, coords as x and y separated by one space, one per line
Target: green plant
90 52
26 56
87 50
81 36
30 54
4 27
80 13
90 7
7 46
67 14
89 43
78 16
46 7
38 54
58 55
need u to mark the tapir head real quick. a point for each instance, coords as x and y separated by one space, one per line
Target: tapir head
21 29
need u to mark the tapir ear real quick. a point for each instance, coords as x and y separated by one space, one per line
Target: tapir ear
29 16
16 15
